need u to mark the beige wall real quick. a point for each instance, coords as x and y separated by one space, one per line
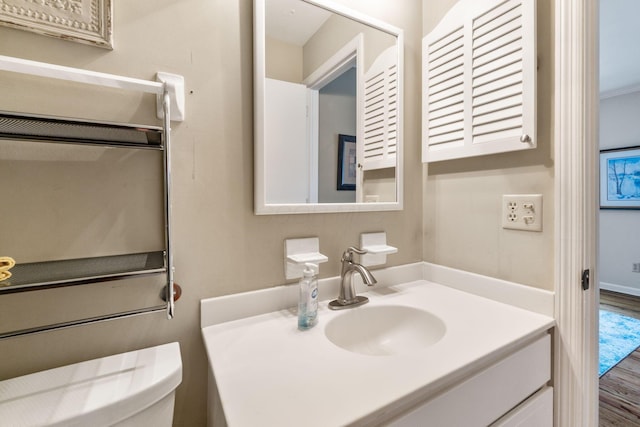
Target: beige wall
336 33
619 231
106 196
283 61
462 198
381 183
221 247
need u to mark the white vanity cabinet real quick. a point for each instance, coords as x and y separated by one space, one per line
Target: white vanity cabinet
492 358
511 392
536 411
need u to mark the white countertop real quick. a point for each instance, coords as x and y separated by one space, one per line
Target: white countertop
269 373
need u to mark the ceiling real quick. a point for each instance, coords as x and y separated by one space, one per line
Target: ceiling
619 45
293 21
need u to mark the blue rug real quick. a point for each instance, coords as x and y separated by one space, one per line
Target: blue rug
619 337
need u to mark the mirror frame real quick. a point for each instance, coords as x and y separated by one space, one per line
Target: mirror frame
259 75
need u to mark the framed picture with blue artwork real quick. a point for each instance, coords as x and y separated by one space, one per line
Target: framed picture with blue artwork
347 162
620 178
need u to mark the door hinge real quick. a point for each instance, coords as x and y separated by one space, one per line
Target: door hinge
585 279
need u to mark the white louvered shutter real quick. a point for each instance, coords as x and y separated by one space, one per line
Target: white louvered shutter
381 112
479 80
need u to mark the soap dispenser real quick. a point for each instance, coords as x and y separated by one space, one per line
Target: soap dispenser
308 302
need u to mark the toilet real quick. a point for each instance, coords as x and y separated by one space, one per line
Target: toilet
136 388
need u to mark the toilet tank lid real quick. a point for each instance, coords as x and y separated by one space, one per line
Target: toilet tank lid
96 392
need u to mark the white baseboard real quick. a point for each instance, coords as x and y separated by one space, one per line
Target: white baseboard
629 290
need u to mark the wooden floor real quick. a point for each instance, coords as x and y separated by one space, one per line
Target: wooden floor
620 387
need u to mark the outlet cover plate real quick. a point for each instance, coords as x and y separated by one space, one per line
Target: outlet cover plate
522 212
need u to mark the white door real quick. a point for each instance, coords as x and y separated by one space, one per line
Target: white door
286 148
576 149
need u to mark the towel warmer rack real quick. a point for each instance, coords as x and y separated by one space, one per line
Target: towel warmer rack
169 91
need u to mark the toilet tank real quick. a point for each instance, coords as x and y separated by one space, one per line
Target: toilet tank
136 388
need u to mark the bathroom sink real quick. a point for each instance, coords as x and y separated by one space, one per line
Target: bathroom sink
385 330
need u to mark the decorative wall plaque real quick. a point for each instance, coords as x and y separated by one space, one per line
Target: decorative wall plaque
83 21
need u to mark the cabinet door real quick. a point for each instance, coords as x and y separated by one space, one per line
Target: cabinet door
479 80
381 112
537 411
488 395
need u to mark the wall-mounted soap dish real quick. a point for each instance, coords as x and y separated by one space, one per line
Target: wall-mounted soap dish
298 252
377 249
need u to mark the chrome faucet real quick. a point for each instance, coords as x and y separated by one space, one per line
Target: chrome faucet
348 297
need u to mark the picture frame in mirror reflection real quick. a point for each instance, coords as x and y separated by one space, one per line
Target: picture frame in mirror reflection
347 163
620 178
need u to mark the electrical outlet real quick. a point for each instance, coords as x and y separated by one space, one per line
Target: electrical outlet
636 267
522 212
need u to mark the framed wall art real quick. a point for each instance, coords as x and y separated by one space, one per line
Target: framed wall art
83 21
347 162
620 178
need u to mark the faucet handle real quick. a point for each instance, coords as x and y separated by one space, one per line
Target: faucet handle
348 254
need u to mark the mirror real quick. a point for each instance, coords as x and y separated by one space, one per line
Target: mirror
328 109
